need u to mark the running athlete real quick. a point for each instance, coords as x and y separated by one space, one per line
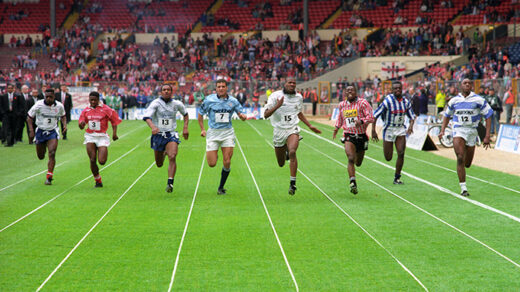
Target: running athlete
46 112
466 109
220 107
285 109
96 116
355 116
161 118
393 110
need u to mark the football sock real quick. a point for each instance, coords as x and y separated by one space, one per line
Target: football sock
463 186
97 178
49 175
293 181
397 176
223 176
170 180
352 178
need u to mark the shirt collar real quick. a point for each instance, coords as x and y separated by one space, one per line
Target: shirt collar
471 93
354 101
164 100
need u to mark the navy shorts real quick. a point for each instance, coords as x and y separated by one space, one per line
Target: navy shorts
158 141
42 136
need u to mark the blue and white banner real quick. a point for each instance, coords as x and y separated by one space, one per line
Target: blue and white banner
508 139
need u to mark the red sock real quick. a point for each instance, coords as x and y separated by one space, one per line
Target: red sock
98 178
49 175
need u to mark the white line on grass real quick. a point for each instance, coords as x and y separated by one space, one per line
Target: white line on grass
364 230
128 133
453 171
186 226
29 177
442 189
470 176
59 195
355 222
269 217
92 228
43 171
419 208
254 128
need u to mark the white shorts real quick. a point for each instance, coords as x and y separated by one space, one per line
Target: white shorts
468 134
99 139
280 135
391 133
216 138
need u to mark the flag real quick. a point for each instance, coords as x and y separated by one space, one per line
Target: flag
391 70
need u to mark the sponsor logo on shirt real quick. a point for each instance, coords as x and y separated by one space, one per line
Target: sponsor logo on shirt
350 113
464 112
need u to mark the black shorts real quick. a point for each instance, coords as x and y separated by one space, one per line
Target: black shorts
359 140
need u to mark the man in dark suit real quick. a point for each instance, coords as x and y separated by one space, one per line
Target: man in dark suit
41 95
12 107
23 119
66 99
29 102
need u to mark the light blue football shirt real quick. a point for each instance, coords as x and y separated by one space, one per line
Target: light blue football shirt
220 110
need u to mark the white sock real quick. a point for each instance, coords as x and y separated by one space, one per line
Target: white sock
463 187
352 178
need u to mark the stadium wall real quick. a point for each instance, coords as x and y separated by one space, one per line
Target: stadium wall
147 38
511 30
325 34
8 36
363 67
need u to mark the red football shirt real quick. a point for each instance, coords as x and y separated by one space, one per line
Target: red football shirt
97 118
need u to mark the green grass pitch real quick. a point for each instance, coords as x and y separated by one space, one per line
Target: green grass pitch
133 236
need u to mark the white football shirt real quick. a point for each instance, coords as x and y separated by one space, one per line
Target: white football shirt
286 116
163 114
47 116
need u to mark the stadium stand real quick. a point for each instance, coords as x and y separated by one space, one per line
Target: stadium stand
271 14
485 12
31 17
385 16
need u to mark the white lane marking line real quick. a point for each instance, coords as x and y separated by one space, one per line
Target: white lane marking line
59 195
186 226
27 178
254 128
467 175
128 133
366 232
92 228
419 208
269 217
442 189
361 227
43 171
453 171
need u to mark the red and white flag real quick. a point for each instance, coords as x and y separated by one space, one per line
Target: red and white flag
391 70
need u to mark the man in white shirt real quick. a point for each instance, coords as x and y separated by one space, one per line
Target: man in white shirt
161 118
466 109
284 107
47 112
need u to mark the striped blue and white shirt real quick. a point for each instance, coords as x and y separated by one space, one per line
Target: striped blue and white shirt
393 111
467 111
